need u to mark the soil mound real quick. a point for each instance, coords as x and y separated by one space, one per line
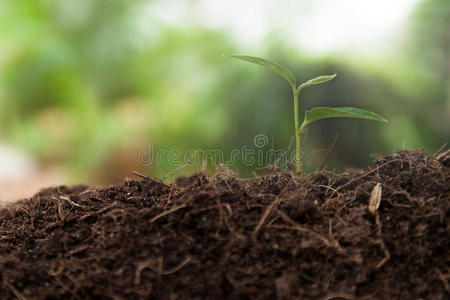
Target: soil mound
219 236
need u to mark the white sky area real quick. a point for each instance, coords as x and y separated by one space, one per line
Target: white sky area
317 26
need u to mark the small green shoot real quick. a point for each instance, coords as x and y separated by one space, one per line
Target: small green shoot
314 114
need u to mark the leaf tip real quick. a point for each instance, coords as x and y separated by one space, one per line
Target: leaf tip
381 119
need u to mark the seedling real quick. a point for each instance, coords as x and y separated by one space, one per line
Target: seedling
315 113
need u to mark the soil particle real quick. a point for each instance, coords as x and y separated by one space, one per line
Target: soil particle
214 237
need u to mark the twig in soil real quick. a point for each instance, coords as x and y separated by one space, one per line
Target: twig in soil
148 264
443 154
15 292
178 267
374 203
170 173
228 185
148 178
186 164
440 149
60 212
170 195
192 212
329 199
403 193
58 271
166 213
67 198
63 285
443 279
76 250
329 152
277 161
365 174
228 207
95 213
380 241
230 213
338 295
328 187
219 206
296 226
266 214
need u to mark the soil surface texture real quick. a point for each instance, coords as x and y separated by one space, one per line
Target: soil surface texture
222 237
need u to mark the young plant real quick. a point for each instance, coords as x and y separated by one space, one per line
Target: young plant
314 114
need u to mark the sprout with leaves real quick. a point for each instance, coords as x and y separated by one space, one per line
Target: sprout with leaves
314 114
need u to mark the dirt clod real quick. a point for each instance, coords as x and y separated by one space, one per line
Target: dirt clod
219 236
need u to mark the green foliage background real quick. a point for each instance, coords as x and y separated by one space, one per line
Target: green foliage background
85 91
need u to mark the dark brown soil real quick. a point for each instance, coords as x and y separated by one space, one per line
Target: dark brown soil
214 237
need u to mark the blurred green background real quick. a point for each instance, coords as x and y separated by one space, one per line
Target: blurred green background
86 86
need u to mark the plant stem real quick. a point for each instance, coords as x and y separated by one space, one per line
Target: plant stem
298 156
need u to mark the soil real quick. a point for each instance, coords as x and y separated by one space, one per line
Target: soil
222 237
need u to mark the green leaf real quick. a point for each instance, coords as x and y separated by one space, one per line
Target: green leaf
317 80
277 68
318 113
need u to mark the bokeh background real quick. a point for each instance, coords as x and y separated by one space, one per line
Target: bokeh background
87 85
